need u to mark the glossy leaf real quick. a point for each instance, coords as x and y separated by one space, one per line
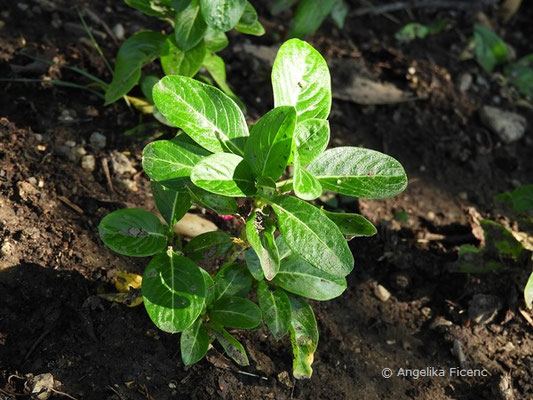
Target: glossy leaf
304 337
173 292
249 23
166 160
490 49
338 13
235 312
133 232
232 280
311 138
225 174
152 8
283 248
189 27
215 40
276 309
309 16
299 277
178 62
270 143
233 348
264 246
222 14
147 84
136 51
208 245
305 185
278 6
358 172
217 69
172 204
528 292
352 225
209 287
194 343
206 114
254 264
266 187
300 78
220 204
312 235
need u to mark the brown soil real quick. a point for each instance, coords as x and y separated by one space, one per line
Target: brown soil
53 265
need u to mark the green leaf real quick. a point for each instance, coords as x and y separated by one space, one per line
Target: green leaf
232 347
297 276
266 187
305 185
490 49
499 241
312 235
415 30
209 287
136 51
173 292
232 280
358 172
225 174
235 312
254 264
249 23
352 225
222 14
206 114
300 78
264 245
276 309
311 138
217 69
270 143
520 74
522 199
179 5
152 8
147 84
208 245
309 16
215 40
220 204
167 160
194 343
304 337
133 232
178 62
528 292
278 6
283 248
339 11
172 204
189 27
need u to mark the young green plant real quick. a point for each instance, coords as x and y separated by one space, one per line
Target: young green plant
200 28
288 250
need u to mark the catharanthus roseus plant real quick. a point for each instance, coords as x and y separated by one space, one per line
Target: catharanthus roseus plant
289 250
199 32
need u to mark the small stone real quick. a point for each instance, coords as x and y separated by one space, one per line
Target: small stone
121 163
465 81
119 31
284 378
41 386
440 321
88 162
22 6
508 126
430 216
70 143
483 308
172 385
32 180
463 196
97 140
381 293
77 153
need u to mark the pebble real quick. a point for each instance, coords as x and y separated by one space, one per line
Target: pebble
77 153
121 163
284 378
465 81
381 293
507 125
483 308
430 216
41 386
97 140
463 196
119 31
172 385
88 162
70 143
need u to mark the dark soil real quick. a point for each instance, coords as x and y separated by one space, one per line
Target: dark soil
53 264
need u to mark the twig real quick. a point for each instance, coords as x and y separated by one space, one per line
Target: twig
526 316
105 166
63 393
70 204
401 5
254 375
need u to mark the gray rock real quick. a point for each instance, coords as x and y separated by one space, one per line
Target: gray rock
483 308
465 81
119 31
508 126
98 141
88 162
